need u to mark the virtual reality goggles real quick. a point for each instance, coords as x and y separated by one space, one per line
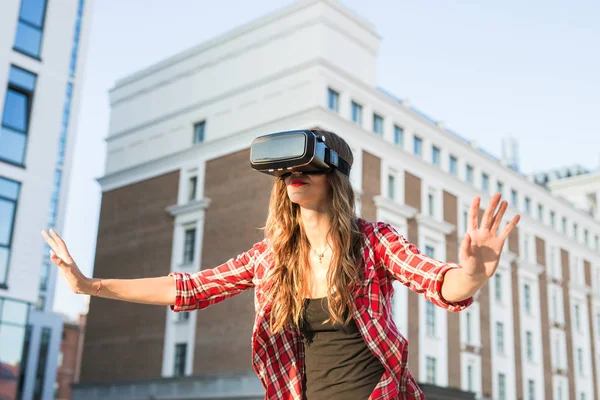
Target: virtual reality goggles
280 154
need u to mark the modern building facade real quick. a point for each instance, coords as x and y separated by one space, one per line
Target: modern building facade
179 195
41 44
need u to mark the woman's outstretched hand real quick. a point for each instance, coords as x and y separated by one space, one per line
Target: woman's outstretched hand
60 256
482 244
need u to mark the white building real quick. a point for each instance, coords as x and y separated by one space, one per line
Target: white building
177 168
41 44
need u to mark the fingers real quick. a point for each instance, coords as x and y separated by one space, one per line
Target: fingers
510 226
498 217
56 259
488 215
465 247
49 240
473 214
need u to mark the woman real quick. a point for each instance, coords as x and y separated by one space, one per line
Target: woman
323 288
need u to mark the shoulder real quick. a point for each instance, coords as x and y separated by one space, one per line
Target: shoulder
374 229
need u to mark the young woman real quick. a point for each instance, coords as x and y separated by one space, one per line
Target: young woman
323 288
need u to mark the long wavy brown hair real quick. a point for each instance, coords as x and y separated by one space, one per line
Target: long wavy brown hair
287 283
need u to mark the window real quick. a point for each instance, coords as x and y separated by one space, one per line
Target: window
470 378
527 298
526 246
378 124
531 390
189 245
199 130
398 136
469 174
183 316
180 356
431 203
552 219
564 224
540 213
40 373
577 318
30 26
586 237
501 387
498 286
554 306
485 182
333 100
514 197
15 119
500 337
391 187
356 113
468 320
192 186
582 396
527 205
529 345
44 276
418 146
9 195
453 165
430 251
435 156
597 242
500 188
575 231
580 361
465 220
429 318
430 365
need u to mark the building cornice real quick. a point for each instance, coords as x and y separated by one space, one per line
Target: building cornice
187 208
436 225
531 268
393 207
579 288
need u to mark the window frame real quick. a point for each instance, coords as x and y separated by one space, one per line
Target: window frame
195 133
30 97
333 94
8 246
38 56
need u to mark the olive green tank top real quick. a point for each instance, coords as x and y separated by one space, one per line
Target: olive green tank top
338 364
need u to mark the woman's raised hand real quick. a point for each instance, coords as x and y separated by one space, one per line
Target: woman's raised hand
482 244
60 256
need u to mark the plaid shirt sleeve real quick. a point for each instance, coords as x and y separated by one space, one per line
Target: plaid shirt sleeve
211 286
405 263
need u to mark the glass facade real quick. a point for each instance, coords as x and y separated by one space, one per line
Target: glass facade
15 117
9 196
13 329
30 27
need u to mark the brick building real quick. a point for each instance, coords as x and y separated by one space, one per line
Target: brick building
179 195
69 360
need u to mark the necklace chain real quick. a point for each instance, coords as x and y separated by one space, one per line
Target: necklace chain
322 254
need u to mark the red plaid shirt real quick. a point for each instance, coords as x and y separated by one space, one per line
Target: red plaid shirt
278 358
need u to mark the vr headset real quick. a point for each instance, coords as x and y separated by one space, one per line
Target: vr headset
280 154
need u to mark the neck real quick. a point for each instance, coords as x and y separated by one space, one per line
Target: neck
316 224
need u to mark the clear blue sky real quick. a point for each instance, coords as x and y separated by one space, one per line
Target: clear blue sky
529 70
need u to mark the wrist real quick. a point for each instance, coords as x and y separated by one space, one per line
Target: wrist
93 287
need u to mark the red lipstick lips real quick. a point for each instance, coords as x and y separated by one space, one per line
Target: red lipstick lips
297 182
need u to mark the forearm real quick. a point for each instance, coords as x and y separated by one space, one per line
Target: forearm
458 286
157 291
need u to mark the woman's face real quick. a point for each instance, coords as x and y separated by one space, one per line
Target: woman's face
308 191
